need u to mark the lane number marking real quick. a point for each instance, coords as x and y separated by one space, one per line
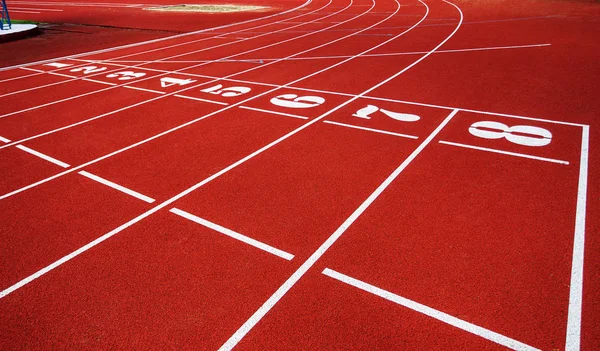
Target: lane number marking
226 92
58 64
295 101
520 135
366 113
166 82
126 75
89 69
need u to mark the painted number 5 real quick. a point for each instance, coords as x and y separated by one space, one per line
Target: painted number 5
521 135
295 101
227 91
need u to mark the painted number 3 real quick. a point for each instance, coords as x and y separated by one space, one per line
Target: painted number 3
521 135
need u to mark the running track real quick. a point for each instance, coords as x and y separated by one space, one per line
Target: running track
336 174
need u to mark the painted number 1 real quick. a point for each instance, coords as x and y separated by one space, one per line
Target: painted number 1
520 135
366 113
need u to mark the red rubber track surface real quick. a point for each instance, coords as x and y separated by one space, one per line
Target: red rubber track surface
319 175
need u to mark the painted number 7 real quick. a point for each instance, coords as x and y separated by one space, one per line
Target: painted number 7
366 113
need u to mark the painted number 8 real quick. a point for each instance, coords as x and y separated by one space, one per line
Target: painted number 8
521 135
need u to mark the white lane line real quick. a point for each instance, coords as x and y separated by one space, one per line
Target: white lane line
117 187
4 140
96 81
576 288
24 11
235 235
34 9
367 55
43 156
199 99
372 130
142 89
272 112
182 69
337 93
306 3
299 273
504 152
75 78
168 202
433 313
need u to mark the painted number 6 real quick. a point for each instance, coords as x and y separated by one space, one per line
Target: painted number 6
521 135
295 101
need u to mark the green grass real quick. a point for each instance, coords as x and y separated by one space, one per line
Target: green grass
22 22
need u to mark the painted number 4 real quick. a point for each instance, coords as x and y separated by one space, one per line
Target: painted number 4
366 113
520 135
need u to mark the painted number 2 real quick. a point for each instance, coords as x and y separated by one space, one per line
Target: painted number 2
226 92
295 101
366 113
521 135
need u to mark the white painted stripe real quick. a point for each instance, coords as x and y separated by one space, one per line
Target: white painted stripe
337 93
24 11
272 112
235 235
371 129
576 287
505 152
367 55
299 273
156 40
43 156
117 187
2 139
199 99
34 9
96 81
142 89
433 313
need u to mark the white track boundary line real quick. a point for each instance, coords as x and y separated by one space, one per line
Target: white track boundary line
299 273
272 112
179 71
155 40
43 156
200 99
103 73
337 93
381 131
28 12
505 152
295 277
576 287
35 9
163 47
166 203
232 234
4 140
346 56
117 187
428 311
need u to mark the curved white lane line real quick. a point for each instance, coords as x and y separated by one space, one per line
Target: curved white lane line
166 203
154 40
160 49
299 273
